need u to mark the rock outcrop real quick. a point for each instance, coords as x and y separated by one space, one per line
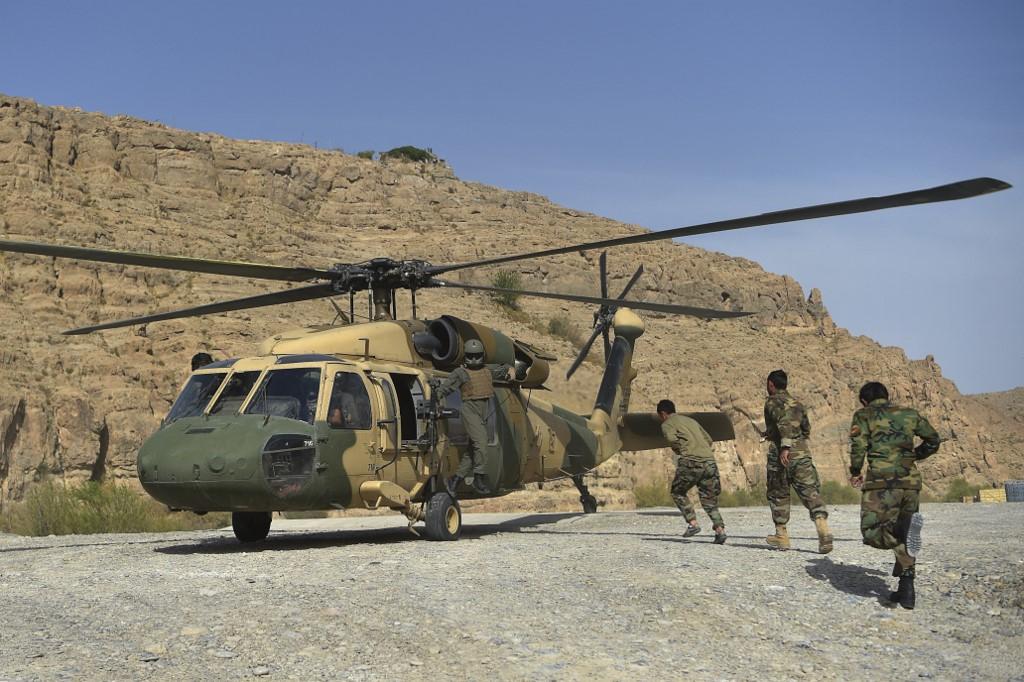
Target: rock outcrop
80 406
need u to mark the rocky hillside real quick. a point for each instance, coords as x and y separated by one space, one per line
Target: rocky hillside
80 406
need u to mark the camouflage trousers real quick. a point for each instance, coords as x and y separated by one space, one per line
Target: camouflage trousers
702 473
474 420
800 474
884 520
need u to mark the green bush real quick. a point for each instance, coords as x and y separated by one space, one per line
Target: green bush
366 154
564 329
410 153
52 508
743 497
507 279
959 489
653 494
834 492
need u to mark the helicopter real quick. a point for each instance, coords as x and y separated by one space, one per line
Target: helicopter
343 416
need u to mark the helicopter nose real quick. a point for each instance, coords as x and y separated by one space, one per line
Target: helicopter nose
226 464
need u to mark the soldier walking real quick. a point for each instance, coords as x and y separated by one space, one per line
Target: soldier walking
884 434
790 464
695 466
475 383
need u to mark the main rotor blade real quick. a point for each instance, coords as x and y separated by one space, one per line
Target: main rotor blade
584 351
706 313
307 293
147 260
957 190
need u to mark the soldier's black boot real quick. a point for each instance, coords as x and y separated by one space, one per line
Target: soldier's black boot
904 594
451 484
480 484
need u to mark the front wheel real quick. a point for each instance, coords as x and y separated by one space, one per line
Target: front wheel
444 517
250 526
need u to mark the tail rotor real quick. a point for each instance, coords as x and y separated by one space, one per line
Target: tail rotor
603 315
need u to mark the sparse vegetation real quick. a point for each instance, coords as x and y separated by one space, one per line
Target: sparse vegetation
834 492
653 494
744 497
507 279
410 153
366 154
959 489
564 328
52 508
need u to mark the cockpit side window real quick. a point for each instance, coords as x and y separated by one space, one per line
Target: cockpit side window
195 396
350 403
231 398
289 393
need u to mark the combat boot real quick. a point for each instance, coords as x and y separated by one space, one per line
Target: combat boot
781 538
913 536
691 531
824 535
480 484
904 594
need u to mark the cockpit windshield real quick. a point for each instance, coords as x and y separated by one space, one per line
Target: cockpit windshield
233 395
195 396
289 393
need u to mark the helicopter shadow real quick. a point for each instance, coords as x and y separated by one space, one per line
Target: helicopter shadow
301 540
851 579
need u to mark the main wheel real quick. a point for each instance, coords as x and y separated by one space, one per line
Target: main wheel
250 526
444 517
589 504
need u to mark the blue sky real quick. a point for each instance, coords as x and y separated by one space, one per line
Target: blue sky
659 114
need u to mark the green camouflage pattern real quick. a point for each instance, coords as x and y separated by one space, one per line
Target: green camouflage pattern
687 438
786 423
703 474
884 519
802 475
883 434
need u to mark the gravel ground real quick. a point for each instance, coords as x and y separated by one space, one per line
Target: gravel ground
547 596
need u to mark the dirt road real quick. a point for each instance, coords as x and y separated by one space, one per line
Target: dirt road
554 596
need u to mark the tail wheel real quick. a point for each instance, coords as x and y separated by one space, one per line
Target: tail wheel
444 517
589 504
250 526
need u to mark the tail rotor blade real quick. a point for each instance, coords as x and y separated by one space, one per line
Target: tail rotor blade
632 281
607 343
603 262
583 353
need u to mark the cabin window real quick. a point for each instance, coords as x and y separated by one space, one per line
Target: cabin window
289 393
410 395
195 396
231 398
350 403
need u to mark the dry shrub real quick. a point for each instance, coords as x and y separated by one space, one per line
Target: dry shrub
53 508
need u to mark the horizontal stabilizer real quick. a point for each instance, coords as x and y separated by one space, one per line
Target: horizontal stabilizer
642 430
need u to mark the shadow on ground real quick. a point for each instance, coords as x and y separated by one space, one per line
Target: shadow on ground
851 579
299 540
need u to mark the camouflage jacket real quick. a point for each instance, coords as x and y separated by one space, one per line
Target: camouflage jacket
786 423
687 438
884 434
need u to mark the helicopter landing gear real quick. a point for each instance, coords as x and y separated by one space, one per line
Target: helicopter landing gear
250 526
588 501
444 517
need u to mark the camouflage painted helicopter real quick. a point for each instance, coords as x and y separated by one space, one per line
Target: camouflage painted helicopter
331 418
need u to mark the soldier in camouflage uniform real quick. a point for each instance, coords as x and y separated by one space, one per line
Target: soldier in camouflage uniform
790 463
475 383
695 466
884 434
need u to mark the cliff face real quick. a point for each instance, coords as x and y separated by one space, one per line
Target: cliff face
81 406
